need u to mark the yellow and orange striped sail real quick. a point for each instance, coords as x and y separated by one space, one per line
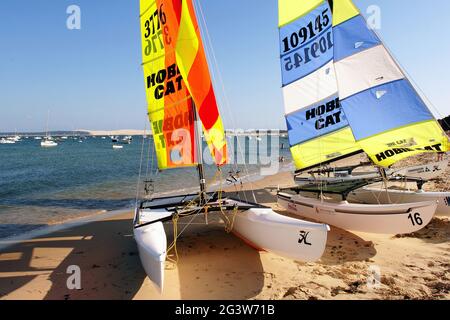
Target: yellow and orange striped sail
176 70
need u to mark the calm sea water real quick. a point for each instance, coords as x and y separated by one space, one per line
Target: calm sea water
39 186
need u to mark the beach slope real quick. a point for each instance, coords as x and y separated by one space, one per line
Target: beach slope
216 265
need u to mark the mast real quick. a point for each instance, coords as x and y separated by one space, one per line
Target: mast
46 128
198 149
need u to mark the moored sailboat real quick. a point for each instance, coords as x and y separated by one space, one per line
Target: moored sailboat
48 141
345 95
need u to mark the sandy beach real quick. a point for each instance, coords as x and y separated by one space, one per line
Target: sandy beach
212 106
216 265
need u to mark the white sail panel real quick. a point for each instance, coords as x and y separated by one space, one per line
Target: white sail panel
365 70
307 91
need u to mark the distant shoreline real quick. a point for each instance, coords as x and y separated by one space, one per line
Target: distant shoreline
135 132
122 132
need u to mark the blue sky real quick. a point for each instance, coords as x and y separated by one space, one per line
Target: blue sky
91 78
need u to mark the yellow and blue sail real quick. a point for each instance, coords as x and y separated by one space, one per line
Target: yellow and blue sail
318 128
388 118
344 92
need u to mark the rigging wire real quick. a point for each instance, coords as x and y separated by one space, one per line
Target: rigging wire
225 96
140 168
149 162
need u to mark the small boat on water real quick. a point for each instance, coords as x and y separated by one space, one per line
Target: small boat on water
48 143
7 141
16 138
115 146
127 139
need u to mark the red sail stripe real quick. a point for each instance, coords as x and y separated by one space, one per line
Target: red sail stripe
207 112
200 82
198 77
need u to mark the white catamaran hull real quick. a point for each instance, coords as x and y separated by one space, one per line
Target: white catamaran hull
378 196
262 228
427 172
290 238
152 246
380 219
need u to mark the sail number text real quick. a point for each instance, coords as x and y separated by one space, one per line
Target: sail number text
311 30
156 32
309 52
415 219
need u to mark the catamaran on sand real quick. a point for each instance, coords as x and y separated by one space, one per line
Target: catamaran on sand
344 95
180 99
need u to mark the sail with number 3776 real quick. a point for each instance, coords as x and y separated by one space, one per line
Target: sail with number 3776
180 98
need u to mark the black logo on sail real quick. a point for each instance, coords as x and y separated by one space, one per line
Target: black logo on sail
304 238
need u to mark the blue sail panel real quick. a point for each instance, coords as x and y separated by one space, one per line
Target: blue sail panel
315 121
298 33
384 108
353 36
306 44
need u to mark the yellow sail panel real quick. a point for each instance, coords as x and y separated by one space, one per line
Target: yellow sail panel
390 147
343 10
170 108
324 149
290 10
